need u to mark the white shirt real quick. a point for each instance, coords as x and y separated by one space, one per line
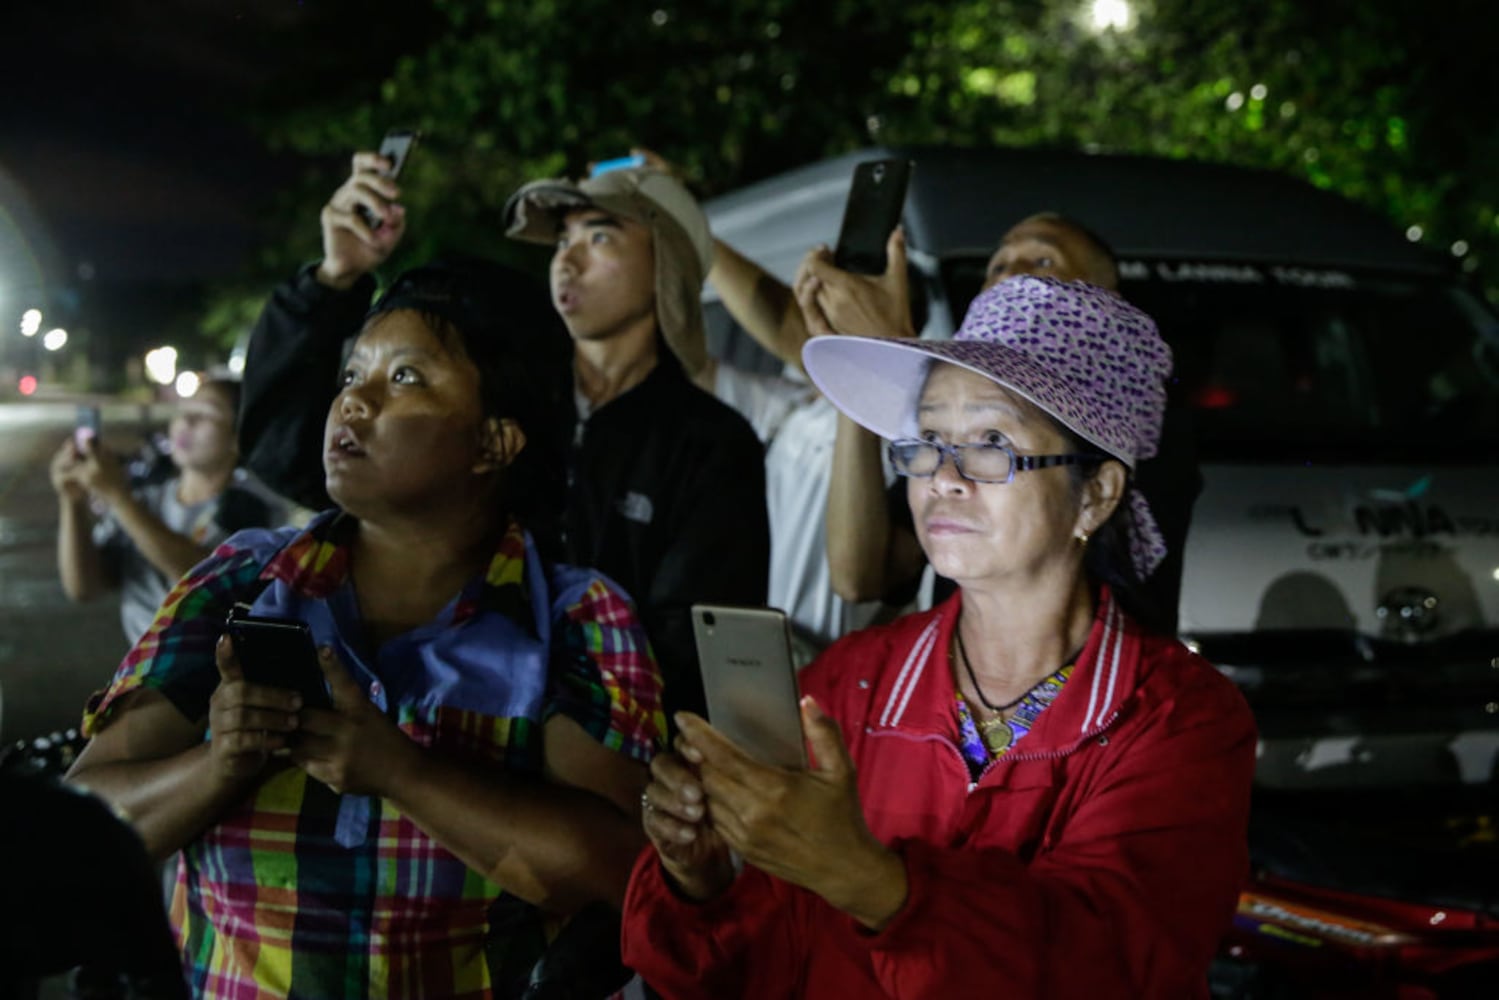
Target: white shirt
798 426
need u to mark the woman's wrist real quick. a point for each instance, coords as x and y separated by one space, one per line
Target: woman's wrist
337 276
874 887
699 883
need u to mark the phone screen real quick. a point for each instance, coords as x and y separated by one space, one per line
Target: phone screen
86 428
876 198
749 679
396 147
618 163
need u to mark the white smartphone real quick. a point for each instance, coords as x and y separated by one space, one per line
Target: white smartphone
750 680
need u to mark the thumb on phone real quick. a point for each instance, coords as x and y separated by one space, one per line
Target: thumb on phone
895 251
342 688
226 661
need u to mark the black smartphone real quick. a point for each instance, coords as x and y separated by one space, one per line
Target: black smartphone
396 147
86 427
876 198
278 652
749 679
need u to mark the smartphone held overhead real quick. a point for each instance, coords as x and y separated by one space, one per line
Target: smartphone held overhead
396 149
876 198
86 428
749 679
618 163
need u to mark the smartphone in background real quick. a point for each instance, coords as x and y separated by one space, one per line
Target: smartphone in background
86 427
618 163
278 652
395 147
876 198
750 680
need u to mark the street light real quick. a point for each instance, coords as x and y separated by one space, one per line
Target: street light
1104 15
31 322
187 384
161 365
55 338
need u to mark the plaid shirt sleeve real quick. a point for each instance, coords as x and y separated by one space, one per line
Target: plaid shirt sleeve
605 675
175 656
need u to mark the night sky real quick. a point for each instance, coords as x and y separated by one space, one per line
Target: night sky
132 176
119 127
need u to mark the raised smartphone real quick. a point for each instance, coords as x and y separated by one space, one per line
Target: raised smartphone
395 147
86 427
278 652
618 163
876 198
749 679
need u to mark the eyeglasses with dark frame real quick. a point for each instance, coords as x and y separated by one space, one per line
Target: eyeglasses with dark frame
983 462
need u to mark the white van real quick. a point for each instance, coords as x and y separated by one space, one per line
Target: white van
1343 560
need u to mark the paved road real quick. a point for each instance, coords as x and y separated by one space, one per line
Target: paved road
53 653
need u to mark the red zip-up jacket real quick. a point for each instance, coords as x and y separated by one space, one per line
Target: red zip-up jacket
1101 857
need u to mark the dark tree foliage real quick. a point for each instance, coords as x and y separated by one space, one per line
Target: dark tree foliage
1389 104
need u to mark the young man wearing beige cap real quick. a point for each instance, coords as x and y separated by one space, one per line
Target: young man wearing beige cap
669 496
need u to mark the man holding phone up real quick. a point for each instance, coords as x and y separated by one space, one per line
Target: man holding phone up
666 488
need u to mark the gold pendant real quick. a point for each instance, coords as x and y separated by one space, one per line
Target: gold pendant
996 734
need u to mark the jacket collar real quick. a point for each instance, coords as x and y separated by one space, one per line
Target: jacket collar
917 691
666 375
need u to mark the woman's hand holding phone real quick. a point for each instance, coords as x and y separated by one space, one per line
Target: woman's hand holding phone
247 723
805 826
674 814
353 747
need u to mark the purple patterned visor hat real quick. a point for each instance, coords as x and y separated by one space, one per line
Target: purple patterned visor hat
1081 353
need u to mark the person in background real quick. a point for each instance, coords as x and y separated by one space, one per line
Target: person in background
872 547
1023 787
492 710
669 483
146 536
797 425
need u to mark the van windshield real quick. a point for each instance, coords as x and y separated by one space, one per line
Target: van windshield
1338 366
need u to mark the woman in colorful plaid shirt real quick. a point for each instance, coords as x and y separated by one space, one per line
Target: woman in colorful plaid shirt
492 713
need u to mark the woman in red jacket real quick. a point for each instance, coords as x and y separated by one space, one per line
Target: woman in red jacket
1020 793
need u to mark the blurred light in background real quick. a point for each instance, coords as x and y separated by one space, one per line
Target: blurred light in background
187 384
161 365
1104 15
27 385
236 363
54 339
31 322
